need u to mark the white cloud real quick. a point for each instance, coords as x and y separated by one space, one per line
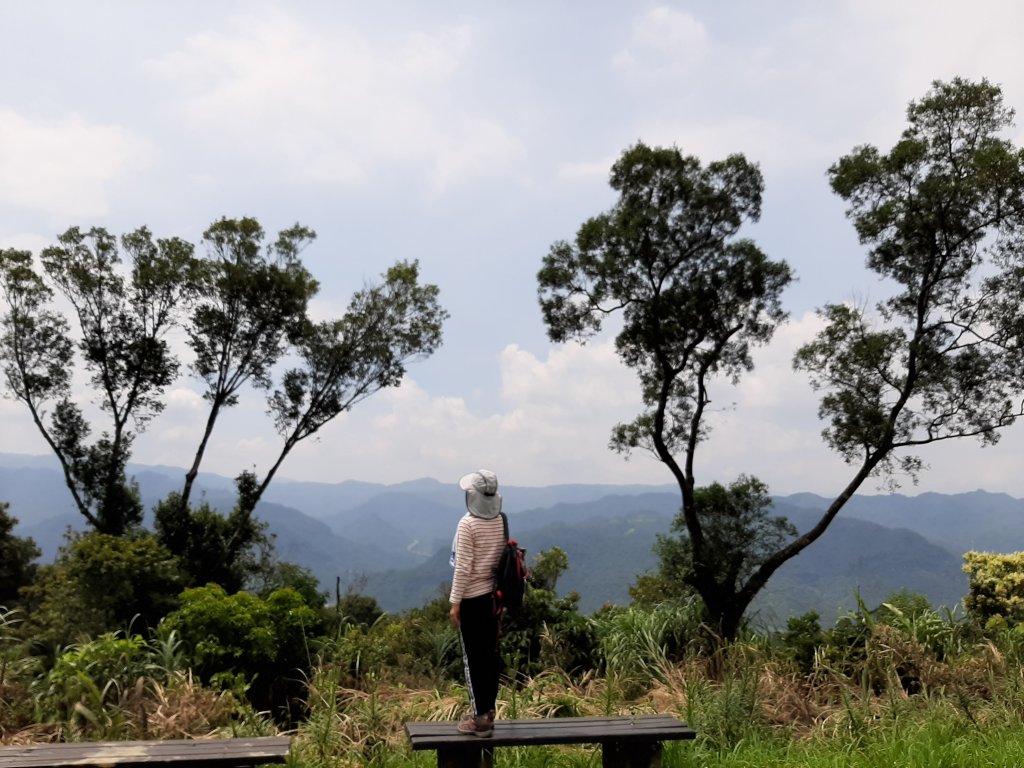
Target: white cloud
309 106
775 144
24 241
185 399
555 416
335 105
573 376
663 41
65 167
585 171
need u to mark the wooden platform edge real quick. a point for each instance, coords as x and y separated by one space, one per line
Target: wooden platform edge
210 753
427 735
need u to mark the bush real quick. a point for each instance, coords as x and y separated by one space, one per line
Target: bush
801 640
996 586
548 632
101 583
92 677
241 639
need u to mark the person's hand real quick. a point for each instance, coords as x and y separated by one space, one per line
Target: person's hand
454 614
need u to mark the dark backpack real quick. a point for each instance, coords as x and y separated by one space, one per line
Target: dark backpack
511 573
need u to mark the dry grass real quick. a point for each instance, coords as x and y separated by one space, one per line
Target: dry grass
179 709
184 709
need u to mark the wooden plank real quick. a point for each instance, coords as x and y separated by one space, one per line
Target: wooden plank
208 753
562 730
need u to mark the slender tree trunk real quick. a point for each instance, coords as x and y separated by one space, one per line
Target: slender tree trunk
69 478
193 472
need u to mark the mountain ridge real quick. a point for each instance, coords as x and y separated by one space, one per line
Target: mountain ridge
395 536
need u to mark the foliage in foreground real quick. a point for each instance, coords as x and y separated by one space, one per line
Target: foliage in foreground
899 685
941 216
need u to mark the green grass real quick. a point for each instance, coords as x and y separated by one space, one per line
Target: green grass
941 744
753 704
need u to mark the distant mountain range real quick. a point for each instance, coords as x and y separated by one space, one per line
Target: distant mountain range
396 537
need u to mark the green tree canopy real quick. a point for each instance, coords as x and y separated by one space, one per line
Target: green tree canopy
102 583
342 362
17 554
253 305
693 299
942 215
740 534
121 321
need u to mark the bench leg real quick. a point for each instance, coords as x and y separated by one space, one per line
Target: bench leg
633 754
478 757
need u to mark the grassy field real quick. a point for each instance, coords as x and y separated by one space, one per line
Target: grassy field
926 690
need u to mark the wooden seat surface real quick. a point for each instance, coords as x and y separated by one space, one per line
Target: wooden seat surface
559 730
208 753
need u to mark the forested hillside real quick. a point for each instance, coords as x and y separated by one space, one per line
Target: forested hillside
396 538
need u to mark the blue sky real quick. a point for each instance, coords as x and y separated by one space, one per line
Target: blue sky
471 136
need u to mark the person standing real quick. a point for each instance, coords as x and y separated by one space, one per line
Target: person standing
476 549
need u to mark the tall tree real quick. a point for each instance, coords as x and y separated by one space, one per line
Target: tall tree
694 299
254 317
254 299
942 215
122 323
342 362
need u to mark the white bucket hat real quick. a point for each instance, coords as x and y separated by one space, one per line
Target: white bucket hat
482 498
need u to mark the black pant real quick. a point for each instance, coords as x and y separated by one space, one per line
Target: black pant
478 627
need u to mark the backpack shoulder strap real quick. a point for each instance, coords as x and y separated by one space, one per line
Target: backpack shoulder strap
504 523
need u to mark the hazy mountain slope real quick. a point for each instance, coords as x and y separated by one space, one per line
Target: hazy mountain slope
302 539
398 535
399 522
859 557
606 554
963 521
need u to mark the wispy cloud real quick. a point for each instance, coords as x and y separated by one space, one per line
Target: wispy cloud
65 167
334 105
663 41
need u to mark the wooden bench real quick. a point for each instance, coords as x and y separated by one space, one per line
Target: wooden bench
626 742
202 753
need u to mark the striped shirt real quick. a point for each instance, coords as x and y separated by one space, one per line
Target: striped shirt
478 545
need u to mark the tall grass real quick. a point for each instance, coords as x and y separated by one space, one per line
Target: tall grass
903 689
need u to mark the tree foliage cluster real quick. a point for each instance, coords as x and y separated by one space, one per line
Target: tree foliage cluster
112 306
995 587
940 358
121 311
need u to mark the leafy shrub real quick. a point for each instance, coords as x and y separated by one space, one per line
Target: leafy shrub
243 639
92 676
996 586
801 640
102 583
548 631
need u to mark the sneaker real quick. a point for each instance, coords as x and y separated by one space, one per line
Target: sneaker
477 725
